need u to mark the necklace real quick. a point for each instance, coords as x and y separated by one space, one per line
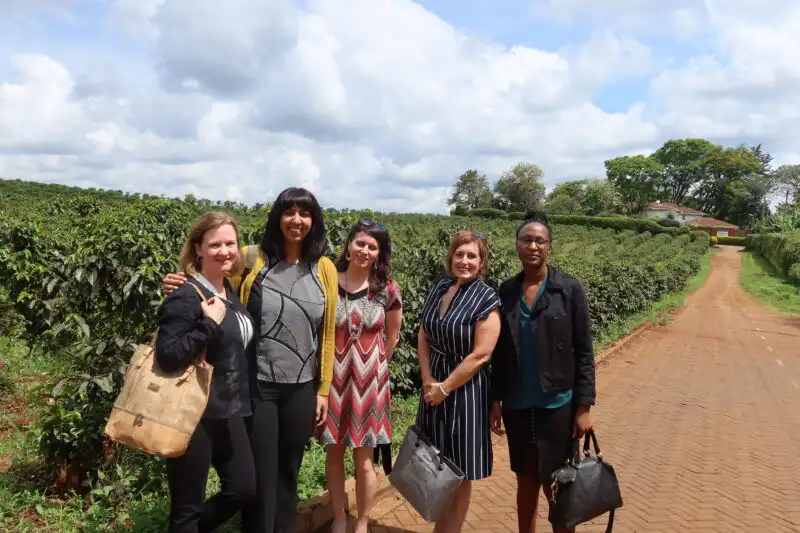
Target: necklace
353 329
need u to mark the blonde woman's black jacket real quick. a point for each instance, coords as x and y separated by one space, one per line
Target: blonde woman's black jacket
184 333
564 345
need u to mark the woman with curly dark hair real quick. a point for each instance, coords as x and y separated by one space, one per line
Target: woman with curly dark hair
368 318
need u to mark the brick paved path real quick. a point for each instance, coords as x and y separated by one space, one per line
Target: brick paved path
701 419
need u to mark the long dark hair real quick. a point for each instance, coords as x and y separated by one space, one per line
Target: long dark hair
315 243
379 276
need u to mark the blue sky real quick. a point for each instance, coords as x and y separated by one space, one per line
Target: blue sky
380 104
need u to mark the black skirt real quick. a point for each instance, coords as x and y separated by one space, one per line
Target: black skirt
539 440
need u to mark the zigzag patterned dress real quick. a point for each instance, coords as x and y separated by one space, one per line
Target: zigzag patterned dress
359 401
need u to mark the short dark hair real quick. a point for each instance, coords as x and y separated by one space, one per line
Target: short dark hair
316 242
378 278
536 217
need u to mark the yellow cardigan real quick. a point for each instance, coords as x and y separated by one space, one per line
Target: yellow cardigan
329 279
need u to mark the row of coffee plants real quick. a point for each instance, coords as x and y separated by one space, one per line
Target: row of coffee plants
83 272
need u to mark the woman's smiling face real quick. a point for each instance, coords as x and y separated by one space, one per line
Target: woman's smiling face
466 262
296 224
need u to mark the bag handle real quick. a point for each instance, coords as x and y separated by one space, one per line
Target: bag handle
589 438
202 357
445 428
197 290
586 452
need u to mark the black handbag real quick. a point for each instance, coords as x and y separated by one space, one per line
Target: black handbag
584 488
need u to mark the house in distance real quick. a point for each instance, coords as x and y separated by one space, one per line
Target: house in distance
695 219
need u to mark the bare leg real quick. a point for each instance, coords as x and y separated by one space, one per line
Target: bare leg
527 503
334 474
453 519
366 484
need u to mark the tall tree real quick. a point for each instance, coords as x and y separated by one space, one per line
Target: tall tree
764 157
637 178
601 197
471 191
563 204
683 162
731 179
574 189
787 183
520 188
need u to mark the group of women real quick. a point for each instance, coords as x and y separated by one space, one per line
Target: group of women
300 347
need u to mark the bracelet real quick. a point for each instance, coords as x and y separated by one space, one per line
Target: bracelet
441 388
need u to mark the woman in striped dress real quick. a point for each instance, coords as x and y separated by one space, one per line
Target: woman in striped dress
460 326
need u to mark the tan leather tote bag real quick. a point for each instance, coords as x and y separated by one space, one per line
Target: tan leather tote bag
157 412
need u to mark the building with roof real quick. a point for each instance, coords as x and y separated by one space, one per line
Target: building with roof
714 227
680 213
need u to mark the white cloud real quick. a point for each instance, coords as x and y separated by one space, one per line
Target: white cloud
382 104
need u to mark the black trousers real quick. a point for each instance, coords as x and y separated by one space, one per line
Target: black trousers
223 443
280 428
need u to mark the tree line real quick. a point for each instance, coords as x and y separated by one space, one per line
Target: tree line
734 184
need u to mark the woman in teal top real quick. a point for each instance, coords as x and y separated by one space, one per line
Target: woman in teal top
542 375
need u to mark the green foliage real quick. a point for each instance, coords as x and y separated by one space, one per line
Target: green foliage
770 286
714 241
471 191
520 188
787 182
735 241
782 250
84 281
638 225
785 219
564 205
637 178
728 183
669 222
489 212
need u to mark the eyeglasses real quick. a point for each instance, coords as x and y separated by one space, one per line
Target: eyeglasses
527 241
479 236
369 223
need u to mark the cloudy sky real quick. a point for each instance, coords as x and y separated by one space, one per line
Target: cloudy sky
381 103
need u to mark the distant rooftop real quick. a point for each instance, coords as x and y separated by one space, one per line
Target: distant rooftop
708 222
681 210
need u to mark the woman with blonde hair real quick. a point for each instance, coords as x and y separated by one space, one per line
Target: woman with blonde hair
289 288
215 326
460 326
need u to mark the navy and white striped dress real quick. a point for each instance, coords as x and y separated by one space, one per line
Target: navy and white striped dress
466 409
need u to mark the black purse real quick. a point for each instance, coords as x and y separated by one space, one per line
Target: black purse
584 488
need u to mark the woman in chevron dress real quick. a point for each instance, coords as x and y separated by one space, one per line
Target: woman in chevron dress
368 318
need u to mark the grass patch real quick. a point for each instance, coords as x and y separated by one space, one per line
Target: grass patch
26 508
762 281
661 311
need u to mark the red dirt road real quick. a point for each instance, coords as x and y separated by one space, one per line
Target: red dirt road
701 419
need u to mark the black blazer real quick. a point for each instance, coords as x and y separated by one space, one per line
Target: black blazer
183 334
564 350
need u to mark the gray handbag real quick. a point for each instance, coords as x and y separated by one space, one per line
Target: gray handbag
424 476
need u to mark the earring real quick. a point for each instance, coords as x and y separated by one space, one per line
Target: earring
347 256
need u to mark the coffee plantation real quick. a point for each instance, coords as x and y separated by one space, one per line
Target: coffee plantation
81 272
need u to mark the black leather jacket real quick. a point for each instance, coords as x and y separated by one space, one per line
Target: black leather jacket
564 350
